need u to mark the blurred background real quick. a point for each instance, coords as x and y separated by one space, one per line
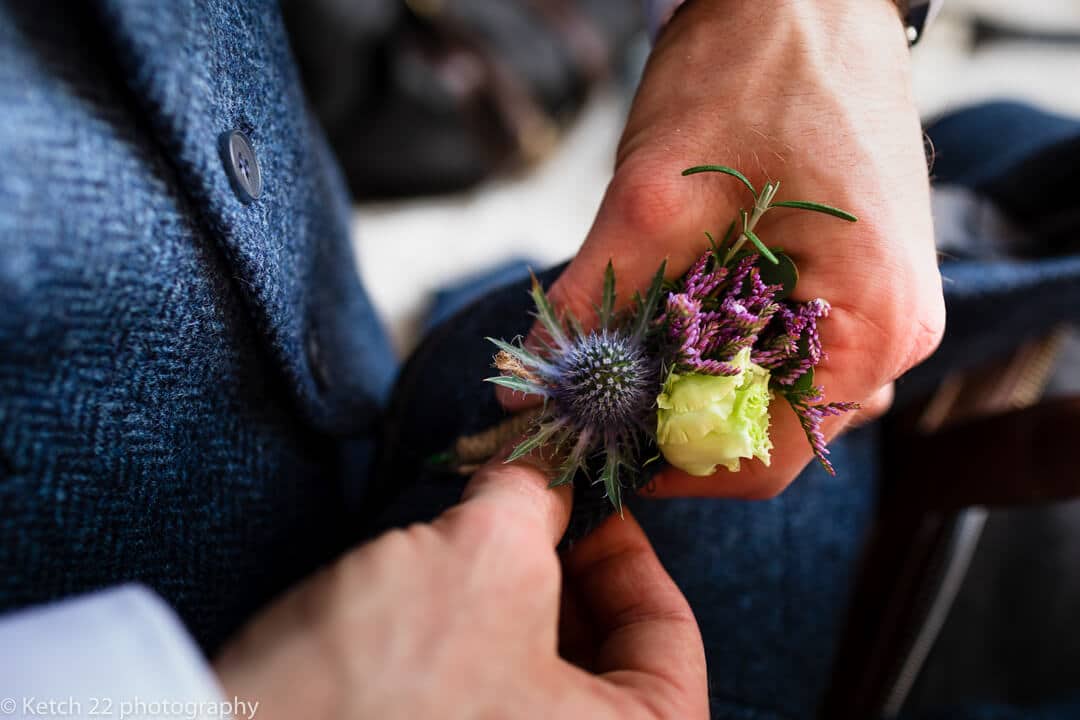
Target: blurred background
479 136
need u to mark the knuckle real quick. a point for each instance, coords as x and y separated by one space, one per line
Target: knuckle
371 563
649 198
913 330
878 403
897 330
482 530
925 331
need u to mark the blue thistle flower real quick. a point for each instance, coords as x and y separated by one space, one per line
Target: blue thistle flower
604 379
599 387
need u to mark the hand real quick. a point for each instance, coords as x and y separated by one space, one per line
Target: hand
814 93
461 619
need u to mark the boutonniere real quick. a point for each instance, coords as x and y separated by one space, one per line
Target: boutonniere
684 373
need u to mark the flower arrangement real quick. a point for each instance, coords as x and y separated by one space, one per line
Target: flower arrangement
685 372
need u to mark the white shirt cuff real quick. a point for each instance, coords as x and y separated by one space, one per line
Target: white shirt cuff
120 654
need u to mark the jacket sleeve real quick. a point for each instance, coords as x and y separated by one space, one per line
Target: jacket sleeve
657 13
117 653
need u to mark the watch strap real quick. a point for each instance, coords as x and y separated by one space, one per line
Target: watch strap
915 14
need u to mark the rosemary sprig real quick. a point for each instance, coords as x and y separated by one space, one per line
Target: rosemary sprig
764 201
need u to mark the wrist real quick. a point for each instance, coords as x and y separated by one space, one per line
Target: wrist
812 64
851 40
913 15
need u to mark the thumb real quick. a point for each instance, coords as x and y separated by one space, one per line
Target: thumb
650 643
517 492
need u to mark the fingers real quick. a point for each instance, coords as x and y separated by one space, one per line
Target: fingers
517 494
649 640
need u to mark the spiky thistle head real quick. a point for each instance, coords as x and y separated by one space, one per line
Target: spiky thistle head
599 387
604 379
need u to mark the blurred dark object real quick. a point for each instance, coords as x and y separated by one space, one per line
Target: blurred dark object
428 96
1024 161
985 440
987 32
450 299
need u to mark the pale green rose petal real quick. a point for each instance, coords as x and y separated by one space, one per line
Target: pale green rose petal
706 421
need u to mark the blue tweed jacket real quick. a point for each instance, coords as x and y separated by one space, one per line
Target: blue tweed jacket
182 375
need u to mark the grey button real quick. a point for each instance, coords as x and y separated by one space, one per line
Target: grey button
241 165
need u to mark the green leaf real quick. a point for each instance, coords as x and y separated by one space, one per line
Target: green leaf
816 207
765 252
545 313
784 273
804 384
565 477
541 436
440 459
516 383
647 307
610 477
567 472
727 235
721 169
575 327
607 303
575 460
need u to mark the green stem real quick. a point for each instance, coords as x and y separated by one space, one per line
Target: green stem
761 206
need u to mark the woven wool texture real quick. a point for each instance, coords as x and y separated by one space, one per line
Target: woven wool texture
161 416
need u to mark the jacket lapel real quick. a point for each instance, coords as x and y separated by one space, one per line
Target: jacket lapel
199 69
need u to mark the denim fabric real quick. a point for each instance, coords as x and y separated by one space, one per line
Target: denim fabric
179 372
449 299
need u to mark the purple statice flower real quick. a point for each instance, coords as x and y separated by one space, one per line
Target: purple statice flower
720 312
811 413
791 345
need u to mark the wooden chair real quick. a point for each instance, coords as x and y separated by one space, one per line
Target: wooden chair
984 440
